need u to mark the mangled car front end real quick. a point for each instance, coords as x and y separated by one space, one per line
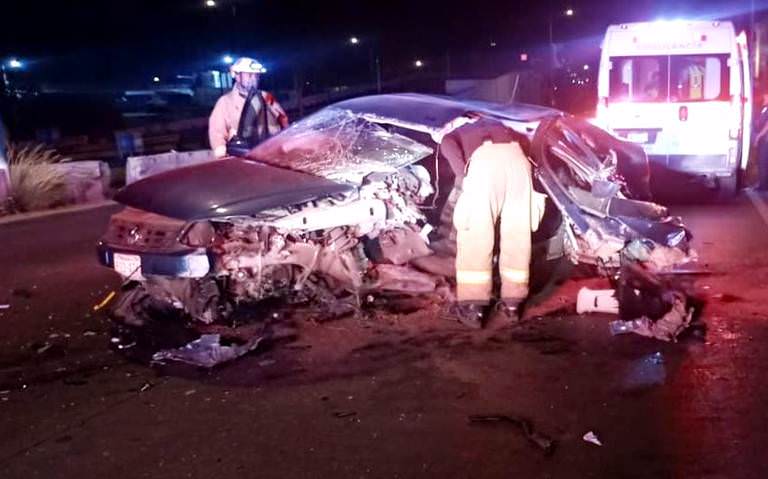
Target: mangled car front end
341 207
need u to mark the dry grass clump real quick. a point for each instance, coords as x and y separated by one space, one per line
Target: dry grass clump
36 182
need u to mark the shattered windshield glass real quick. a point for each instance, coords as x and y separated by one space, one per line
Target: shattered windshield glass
339 145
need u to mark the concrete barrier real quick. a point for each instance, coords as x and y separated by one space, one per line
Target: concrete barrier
87 181
138 167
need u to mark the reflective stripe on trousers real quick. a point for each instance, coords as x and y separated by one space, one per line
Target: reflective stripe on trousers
497 188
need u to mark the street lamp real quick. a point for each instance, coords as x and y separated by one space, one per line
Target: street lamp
227 59
354 40
210 3
418 63
156 79
10 64
569 12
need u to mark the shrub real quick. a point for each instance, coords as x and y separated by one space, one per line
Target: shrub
36 182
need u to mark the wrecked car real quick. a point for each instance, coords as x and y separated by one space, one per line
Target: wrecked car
345 206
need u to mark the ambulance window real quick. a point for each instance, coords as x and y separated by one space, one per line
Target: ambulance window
698 78
641 79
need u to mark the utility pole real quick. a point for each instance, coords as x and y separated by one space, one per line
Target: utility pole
6 85
298 86
378 74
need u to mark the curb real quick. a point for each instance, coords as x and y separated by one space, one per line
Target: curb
17 218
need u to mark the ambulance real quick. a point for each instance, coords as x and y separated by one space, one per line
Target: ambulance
682 90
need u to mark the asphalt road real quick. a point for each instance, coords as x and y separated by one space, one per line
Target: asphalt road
388 396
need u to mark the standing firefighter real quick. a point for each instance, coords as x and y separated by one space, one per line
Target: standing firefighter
264 118
496 191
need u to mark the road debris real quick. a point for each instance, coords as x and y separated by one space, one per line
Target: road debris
651 305
592 437
344 414
89 333
666 328
206 351
539 440
145 387
597 301
5 306
104 301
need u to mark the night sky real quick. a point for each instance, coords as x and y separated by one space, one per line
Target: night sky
111 42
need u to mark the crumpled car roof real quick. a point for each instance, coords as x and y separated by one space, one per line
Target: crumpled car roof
432 112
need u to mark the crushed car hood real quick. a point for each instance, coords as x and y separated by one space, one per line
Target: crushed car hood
232 187
430 113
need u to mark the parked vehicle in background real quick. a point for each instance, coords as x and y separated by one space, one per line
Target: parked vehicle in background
681 89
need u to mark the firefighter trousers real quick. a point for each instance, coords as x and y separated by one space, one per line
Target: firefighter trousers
496 190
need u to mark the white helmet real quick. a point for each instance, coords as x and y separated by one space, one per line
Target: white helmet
246 65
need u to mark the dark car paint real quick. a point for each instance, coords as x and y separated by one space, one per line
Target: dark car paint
230 187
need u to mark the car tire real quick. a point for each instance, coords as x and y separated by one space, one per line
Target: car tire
728 187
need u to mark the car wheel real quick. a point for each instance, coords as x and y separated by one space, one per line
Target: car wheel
728 187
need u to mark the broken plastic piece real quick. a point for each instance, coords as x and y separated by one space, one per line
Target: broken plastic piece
5 306
624 327
592 437
597 301
206 351
105 301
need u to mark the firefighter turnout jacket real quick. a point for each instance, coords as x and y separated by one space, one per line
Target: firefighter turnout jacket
225 118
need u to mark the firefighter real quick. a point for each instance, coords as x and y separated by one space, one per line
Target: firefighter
266 117
496 190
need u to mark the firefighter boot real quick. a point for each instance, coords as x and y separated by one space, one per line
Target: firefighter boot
470 314
505 313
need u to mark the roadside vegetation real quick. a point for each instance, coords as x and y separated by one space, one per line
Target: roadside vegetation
36 181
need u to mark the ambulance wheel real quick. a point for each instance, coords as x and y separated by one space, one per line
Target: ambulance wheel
728 186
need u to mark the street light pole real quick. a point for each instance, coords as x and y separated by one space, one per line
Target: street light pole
374 59
6 87
377 68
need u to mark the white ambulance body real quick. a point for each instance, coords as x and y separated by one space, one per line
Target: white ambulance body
682 89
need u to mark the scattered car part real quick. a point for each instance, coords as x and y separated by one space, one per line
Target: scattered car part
591 437
539 440
207 351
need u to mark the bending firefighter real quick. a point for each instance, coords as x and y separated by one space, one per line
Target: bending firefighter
496 191
229 118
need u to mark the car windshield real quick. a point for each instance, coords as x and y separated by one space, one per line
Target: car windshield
340 145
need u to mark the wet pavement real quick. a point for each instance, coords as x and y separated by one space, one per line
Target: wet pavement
388 395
